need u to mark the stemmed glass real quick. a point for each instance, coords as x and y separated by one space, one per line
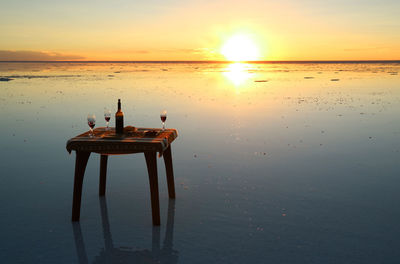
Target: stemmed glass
163 117
107 116
91 119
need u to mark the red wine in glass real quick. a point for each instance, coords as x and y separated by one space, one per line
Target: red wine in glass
91 124
107 116
163 117
91 119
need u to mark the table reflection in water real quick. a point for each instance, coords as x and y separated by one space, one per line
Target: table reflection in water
111 254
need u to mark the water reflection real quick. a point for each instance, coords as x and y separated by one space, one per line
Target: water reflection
237 73
112 254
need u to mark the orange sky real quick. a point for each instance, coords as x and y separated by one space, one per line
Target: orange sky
196 30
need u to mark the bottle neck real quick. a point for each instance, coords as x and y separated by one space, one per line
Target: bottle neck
119 105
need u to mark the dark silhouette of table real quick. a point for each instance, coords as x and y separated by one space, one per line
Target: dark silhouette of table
134 140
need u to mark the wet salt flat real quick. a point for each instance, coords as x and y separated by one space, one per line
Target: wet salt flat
274 163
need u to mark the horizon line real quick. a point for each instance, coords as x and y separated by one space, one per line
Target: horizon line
198 61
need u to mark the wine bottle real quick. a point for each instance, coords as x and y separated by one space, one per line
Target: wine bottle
119 119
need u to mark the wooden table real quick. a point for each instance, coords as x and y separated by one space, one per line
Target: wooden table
135 140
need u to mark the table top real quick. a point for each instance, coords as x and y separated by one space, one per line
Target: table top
134 140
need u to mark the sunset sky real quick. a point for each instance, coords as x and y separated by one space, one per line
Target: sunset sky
197 30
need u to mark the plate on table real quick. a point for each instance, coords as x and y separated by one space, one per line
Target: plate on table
114 136
151 132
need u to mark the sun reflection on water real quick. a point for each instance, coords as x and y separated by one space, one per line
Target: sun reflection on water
237 73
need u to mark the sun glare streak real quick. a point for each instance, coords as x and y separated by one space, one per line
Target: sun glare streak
240 48
237 73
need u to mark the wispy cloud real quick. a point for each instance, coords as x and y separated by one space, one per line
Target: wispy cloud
128 51
164 54
193 51
366 49
10 55
204 53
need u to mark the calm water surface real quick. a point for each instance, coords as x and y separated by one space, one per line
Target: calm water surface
274 163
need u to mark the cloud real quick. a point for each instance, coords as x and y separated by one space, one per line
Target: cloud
142 51
128 51
10 55
366 48
201 51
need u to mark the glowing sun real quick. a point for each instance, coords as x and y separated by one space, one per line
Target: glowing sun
240 48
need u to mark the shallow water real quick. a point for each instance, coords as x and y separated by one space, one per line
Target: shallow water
274 163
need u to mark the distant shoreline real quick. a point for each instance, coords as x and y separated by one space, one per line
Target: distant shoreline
223 62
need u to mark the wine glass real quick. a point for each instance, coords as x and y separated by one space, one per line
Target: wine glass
107 116
163 117
91 119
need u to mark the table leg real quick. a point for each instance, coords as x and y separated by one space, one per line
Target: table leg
80 166
103 174
170 172
151 161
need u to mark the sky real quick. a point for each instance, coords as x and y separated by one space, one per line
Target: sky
197 30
